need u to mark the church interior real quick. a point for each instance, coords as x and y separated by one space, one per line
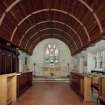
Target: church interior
52 52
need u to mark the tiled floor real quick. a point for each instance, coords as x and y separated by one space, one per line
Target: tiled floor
50 94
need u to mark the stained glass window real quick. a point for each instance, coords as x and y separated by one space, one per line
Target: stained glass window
51 54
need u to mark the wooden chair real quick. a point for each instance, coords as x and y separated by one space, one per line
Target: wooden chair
95 86
101 100
95 83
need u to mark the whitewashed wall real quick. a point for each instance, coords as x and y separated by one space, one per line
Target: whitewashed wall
88 55
82 62
38 56
22 66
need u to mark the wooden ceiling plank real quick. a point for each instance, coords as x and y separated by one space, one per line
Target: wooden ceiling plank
48 29
42 37
94 14
12 36
33 26
90 28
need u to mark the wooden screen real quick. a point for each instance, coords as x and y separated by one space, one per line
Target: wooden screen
8 59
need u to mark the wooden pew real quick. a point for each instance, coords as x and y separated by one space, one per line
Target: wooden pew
82 85
24 81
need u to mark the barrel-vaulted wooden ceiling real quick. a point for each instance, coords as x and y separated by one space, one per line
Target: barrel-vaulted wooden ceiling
76 22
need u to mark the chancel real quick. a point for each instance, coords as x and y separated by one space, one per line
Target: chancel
51 62
52 52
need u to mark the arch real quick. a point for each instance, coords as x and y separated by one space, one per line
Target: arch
54 21
84 3
8 9
94 14
56 10
81 1
45 36
48 29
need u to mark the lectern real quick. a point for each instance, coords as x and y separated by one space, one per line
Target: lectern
8 88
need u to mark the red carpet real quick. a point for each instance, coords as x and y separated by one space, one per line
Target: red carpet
50 94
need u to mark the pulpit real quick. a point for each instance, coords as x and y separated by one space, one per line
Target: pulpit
8 88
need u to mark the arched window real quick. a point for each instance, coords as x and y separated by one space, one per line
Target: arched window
51 54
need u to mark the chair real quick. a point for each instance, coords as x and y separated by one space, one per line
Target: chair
95 83
101 100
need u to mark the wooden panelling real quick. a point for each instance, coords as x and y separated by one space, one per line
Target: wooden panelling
76 81
81 85
8 59
102 86
86 17
24 81
44 32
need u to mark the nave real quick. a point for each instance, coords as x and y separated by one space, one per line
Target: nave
52 41
50 93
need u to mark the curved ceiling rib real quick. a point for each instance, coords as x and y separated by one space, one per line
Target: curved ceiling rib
94 14
48 29
48 36
86 29
7 10
81 1
56 10
52 21
44 36
52 32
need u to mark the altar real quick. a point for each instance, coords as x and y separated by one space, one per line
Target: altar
51 65
52 71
